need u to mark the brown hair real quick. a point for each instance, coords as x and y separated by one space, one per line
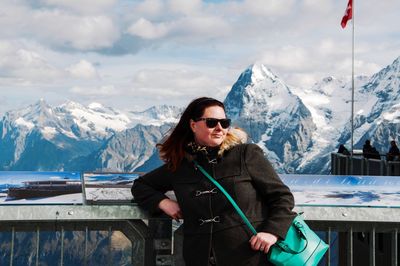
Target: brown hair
173 145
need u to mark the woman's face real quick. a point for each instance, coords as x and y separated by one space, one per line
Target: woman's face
206 136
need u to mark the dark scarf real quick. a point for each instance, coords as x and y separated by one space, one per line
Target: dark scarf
210 153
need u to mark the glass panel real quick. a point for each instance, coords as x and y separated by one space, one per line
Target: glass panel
25 248
97 248
74 248
5 248
49 248
121 249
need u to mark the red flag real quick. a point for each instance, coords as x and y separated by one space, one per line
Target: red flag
348 14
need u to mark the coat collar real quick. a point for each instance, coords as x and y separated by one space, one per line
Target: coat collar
235 136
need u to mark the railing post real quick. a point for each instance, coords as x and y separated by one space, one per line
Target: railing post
372 248
329 240
350 163
161 230
109 257
394 247
85 254
37 245
62 247
350 247
333 164
12 245
383 167
364 164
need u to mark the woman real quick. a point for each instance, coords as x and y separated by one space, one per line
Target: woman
214 233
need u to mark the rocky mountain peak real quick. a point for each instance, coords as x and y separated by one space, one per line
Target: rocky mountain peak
261 72
256 91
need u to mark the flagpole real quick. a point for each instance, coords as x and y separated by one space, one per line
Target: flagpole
352 82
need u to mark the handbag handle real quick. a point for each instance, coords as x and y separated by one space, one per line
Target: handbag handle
301 232
280 244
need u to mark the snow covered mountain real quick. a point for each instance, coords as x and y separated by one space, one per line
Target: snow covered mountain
125 151
297 128
156 115
376 114
329 102
40 137
275 118
379 122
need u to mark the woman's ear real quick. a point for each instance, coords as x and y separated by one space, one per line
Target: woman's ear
192 125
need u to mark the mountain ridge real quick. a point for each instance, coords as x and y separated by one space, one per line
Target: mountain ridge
297 128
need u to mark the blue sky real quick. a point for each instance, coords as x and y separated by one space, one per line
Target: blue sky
131 55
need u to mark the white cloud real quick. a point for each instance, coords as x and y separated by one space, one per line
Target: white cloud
302 80
185 7
268 8
192 29
66 30
83 69
147 30
207 43
106 90
57 27
84 6
150 7
289 58
25 66
176 82
207 27
360 67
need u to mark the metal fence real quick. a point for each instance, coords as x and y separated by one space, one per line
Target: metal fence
358 165
124 235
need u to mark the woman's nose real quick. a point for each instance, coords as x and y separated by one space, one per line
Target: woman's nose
218 126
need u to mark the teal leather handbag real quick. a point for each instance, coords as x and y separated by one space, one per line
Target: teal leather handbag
301 245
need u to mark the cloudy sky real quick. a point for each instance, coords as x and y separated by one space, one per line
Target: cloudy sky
132 54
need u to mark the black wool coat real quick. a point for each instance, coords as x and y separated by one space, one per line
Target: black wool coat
210 221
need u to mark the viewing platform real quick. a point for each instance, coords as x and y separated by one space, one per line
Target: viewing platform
102 226
358 165
353 232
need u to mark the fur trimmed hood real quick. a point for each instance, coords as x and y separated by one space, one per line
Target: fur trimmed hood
235 136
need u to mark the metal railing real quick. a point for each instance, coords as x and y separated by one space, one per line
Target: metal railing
358 165
125 235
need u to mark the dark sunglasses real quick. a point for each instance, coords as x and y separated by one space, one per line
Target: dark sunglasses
213 122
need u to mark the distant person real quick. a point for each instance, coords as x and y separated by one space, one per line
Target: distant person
375 154
394 152
369 151
343 150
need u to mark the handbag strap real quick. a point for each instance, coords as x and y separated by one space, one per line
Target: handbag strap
282 245
231 200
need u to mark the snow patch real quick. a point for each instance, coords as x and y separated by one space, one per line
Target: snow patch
22 122
49 132
95 105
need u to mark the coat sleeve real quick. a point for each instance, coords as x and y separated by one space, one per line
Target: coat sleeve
149 189
279 199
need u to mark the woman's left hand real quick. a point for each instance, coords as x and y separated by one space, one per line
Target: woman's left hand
263 241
